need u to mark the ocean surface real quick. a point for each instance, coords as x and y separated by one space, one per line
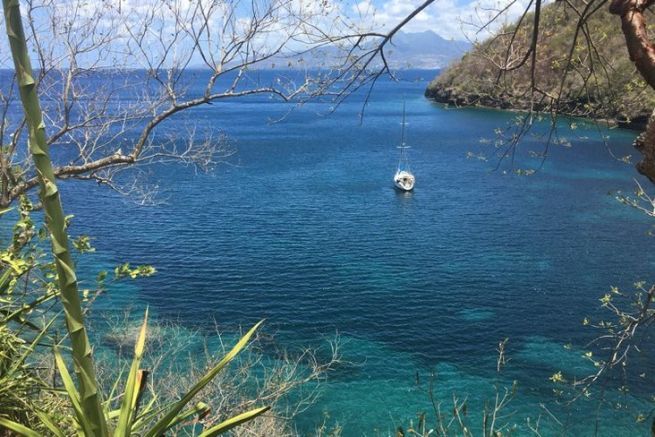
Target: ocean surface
302 227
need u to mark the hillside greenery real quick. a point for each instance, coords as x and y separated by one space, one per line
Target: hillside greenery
598 82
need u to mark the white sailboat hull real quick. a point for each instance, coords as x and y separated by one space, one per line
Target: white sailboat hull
404 180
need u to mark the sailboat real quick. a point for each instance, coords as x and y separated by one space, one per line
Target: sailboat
404 178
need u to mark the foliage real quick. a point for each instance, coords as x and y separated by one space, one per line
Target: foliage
457 420
287 380
28 288
631 318
92 416
20 331
641 201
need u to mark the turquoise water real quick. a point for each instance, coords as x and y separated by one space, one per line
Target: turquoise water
303 227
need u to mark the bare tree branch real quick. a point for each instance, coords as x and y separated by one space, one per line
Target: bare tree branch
112 75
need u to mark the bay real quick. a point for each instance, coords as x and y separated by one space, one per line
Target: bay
302 227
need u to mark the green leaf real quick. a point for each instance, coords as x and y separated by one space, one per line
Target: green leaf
133 385
125 271
165 422
5 281
145 414
232 422
47 421
18 428
19 362
73 395
83 244
201 409
112 392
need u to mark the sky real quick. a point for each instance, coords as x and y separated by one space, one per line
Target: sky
450 19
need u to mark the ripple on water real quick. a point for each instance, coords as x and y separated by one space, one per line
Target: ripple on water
307 232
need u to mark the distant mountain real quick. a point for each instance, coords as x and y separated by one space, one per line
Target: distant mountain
406 50
424 50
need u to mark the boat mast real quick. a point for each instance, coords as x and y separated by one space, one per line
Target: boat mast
403 163
402 131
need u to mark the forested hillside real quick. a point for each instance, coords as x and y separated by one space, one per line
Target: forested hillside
600 80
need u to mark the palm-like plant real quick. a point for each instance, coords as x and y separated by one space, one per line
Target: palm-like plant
132 417
93 417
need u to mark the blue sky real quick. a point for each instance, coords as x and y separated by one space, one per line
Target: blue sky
451 19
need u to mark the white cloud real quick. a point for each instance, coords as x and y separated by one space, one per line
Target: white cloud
448 18
456 19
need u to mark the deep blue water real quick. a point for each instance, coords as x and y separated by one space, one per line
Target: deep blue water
302 227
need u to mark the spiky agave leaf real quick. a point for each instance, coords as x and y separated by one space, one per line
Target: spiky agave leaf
19 429
133 385
166 422
200 410
232 422
73 395
50 424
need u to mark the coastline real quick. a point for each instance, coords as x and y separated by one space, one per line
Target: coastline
458 101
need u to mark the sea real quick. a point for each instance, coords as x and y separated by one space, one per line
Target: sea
301 226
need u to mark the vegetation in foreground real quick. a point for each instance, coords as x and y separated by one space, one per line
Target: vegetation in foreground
49 399
123 411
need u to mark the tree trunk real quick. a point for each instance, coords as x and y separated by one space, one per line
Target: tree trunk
645 144
642 53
